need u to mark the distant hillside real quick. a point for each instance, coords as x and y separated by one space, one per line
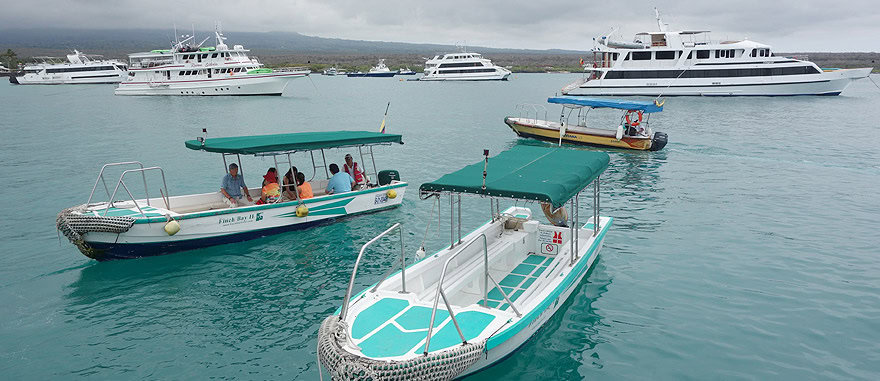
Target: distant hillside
121 42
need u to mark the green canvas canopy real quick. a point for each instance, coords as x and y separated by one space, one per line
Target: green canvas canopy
524 172
301 141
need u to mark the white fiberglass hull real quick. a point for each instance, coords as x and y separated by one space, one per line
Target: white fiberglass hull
84 78
500 333
245 84
825 83
147 237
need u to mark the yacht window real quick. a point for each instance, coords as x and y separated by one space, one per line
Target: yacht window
181 74
641 56
702 54
665 55
214 55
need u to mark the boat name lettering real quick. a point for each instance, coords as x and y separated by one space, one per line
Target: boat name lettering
226 221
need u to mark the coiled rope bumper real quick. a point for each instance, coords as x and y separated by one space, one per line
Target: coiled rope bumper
73 224
345 366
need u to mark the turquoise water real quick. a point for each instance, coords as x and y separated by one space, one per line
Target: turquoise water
747 249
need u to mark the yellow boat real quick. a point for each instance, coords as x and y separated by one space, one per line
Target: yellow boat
633 132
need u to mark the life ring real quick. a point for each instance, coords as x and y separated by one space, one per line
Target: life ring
630 122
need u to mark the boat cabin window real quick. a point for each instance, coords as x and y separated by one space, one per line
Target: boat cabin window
702 54
665 55
640 56
658 40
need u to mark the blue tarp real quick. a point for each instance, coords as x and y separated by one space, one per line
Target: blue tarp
644 106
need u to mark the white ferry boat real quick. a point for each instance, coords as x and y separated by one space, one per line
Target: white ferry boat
463 67
79 68
687 62
195 70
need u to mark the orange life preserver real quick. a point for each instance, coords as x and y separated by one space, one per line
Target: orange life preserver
630 122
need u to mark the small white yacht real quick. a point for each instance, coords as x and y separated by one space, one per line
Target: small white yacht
463 66
380 70
79 68
188 69
687 62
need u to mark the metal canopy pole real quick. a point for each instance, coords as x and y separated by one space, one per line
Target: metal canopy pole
451 221
459 219
324 158
375 170
225 166
596 207
571 229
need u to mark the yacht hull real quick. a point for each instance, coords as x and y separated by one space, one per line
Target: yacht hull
827 83
492 77
376 75
262 84
81 79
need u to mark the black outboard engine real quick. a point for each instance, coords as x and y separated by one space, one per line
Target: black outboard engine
658 141
13 79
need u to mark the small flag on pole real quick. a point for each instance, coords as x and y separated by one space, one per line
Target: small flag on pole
582 61
382 127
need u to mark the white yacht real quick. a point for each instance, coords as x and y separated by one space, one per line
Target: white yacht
186 69
687 62
380 70
463 67
79 68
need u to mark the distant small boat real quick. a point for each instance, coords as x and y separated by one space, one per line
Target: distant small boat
333 71
405 71
633 132
380 70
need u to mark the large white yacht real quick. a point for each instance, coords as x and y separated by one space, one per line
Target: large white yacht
79 68
688 63
463 66
188 69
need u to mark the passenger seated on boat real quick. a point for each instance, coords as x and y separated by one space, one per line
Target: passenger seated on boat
351 167
271 176
340 182
232 186
271 191
287 184
305 189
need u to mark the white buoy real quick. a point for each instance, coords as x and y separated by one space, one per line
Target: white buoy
619 134
420 253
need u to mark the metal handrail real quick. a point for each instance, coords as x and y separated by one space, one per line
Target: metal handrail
133 200
357 262
440 292
101 178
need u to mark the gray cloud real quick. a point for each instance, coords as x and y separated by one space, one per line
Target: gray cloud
806 25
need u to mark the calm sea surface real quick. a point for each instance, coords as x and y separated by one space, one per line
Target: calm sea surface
747 249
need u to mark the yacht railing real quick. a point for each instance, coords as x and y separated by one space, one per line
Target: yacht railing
101 179
345 302
525 111
441 294
133 200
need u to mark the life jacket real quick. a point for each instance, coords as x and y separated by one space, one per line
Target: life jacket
355 172
272 191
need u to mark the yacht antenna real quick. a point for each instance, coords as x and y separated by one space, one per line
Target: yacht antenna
660 23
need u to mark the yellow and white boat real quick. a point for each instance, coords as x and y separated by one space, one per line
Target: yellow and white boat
633 132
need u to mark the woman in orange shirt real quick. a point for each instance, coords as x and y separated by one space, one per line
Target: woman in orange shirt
305 189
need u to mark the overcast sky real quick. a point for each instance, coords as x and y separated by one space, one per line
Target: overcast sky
802 25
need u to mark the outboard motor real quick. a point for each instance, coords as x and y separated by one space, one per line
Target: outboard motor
658 141
13 79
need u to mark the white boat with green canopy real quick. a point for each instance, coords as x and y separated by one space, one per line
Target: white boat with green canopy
476 301
126 226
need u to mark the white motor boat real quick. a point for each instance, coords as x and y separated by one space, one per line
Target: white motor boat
77 68
687 62
475 302
124 226
380 70
187 69
463 66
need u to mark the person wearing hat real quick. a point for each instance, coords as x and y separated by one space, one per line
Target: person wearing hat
271 190
351 167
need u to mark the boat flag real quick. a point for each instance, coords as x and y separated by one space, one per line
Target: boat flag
582 61
382 127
